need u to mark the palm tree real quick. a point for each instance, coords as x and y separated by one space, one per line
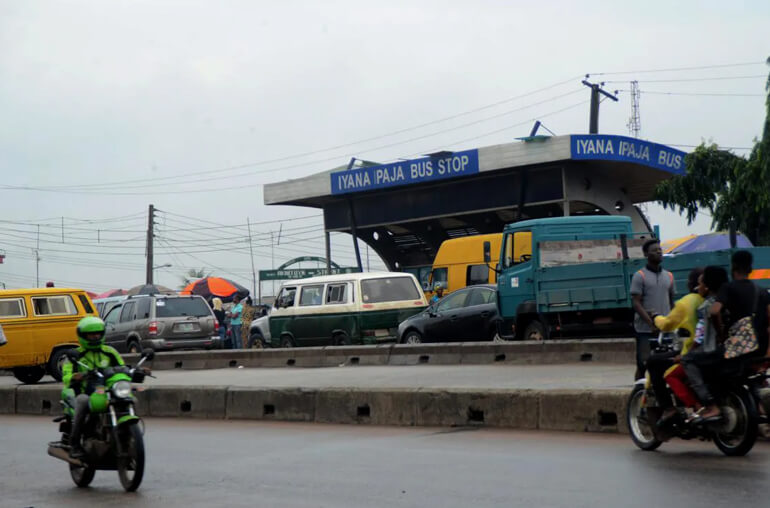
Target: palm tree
193 275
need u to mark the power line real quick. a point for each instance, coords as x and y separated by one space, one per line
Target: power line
682 80
679 69
704 94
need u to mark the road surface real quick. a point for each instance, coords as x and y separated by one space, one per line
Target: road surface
230 463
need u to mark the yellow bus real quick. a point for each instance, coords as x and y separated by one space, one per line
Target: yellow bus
459 262
39 326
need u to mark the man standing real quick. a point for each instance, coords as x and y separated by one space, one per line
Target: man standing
235 322
652 293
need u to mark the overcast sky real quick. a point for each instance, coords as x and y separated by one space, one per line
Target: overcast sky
142 93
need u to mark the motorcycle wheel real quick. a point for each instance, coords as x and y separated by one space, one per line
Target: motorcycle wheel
131 467
736 436
638 426
82 475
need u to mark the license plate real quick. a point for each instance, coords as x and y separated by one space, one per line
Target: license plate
185 327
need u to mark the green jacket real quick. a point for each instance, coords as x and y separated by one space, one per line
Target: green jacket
106 357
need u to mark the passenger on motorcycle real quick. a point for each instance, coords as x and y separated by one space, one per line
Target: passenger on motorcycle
682 317
92 354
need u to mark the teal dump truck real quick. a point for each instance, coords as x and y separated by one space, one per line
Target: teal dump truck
571 276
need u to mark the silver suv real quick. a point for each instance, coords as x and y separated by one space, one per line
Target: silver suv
161 322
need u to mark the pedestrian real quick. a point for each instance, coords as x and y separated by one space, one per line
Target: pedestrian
652 292
219 313
235 323
247 316
439 293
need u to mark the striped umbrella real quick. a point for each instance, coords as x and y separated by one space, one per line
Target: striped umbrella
210 287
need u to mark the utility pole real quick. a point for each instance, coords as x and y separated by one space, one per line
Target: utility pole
596 91
635 122
150 237
253 272
37 259
272 259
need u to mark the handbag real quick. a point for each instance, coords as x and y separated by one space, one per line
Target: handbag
742 336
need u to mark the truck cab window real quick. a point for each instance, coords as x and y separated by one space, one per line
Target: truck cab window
518 248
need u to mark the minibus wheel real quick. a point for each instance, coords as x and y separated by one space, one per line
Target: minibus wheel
29 375
55 363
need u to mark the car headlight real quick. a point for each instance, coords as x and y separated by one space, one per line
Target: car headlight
122 389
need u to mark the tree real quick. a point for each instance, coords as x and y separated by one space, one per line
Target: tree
728 186
193 275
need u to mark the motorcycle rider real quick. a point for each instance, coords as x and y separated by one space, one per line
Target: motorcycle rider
94 354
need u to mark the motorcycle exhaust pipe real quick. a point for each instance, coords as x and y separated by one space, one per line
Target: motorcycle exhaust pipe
63 454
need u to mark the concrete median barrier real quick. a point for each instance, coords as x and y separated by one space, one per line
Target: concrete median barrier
296 405
187 401
38 399
583 411
470 353
7 400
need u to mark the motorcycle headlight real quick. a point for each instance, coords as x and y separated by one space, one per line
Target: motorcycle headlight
122 389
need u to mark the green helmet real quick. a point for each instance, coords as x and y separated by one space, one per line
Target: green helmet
91 325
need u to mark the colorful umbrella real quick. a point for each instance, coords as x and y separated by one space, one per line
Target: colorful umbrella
210 287
111 292
705 243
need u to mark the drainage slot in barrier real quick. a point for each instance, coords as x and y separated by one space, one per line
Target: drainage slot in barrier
185 406
354 360
46 405
363 411
608 419
475 415
178 365
500 358
586 357
233 363
268 409
290 362
424 359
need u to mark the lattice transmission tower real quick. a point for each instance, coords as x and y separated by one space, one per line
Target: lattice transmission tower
635 122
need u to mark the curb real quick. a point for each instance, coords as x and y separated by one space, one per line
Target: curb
564 410
468 353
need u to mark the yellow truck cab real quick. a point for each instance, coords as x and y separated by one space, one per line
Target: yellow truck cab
39 326
459 262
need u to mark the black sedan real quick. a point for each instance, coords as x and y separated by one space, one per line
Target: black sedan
467 314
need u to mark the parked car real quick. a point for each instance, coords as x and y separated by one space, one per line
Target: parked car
163 323
39 326
465 315
352 308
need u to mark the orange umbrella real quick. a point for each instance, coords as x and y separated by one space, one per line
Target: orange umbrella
210 287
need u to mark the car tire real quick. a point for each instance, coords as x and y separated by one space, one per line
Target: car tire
535 330
56 361
256 342
340 339
29 375
287 342
133 346
412 337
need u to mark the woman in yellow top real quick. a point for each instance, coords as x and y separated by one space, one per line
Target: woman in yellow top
684 316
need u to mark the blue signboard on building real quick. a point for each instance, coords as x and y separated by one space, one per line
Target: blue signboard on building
625 149
451 165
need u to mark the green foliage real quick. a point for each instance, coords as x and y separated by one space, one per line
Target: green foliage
728 186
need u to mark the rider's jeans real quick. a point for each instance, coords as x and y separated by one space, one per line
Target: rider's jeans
695 364
657 365
81 411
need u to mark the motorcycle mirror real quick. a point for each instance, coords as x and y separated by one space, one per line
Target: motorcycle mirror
148 353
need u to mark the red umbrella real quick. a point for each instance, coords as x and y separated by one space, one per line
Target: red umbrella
210 287
111 292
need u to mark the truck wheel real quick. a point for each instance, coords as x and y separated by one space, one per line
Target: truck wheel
340 339
286 342
535 330
256 342
55 363
29 375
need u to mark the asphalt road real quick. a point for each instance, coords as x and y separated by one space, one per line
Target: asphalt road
225 463
569 376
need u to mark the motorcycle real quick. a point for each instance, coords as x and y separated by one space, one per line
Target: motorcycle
112 432
738 395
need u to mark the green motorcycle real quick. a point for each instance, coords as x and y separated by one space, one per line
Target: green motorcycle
112 432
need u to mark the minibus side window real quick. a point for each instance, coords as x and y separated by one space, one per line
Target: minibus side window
335 293
311 295
86 304
54 305
12 308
